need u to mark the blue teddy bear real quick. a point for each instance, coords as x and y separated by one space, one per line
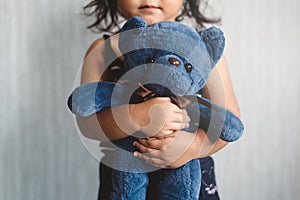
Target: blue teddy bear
166 59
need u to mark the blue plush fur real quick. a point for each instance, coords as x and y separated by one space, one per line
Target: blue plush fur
164 59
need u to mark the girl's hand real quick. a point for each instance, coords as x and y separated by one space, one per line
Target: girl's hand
159 117
170 152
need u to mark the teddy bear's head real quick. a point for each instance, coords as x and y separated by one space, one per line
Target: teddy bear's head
169 54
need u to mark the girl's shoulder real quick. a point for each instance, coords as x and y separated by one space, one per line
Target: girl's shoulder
102 60
94 44
105 43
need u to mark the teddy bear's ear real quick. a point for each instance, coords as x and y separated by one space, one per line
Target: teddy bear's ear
133 23
129 32
214 41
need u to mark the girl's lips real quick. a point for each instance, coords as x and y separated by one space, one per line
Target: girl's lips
149 8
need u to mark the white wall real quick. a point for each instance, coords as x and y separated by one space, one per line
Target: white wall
42 44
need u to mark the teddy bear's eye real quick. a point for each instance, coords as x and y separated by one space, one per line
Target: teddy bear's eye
188 67
149 60
174 61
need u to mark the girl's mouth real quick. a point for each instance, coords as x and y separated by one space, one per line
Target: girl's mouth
149 8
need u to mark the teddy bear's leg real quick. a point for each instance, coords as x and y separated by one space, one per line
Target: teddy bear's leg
181 183
127 185
129 179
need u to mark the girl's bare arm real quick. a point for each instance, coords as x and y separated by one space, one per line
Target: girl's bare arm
96 125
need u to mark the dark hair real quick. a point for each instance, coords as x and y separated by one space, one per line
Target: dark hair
107 14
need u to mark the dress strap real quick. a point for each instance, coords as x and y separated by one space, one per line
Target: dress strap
115 66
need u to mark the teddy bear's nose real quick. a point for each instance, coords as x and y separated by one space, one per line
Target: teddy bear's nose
174 61
188 67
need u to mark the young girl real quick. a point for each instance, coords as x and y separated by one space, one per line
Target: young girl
96 68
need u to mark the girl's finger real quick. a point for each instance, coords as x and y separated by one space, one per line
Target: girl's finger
163 99
153 143
142 148
175 126
150 159
181 117
156 162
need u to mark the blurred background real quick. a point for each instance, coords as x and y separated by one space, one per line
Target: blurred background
42 46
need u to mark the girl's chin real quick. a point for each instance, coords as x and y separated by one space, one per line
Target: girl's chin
152 19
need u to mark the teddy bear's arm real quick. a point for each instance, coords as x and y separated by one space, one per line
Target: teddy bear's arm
89 98
215 120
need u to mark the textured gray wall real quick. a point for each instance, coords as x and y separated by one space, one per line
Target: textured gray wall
42 44
263 56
